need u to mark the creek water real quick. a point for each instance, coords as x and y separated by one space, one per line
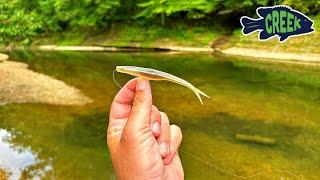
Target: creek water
272 100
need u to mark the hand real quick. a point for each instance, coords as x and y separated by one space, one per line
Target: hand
141 141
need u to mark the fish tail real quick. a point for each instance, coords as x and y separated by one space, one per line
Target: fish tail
198 92
202 93
199 97
249 25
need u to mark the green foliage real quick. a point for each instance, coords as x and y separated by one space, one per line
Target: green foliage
17 22
244 5
194 9
21 20
74 14
155 35
304 6
197 9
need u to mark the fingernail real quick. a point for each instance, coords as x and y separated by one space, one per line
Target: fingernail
156 127
164 149
141 84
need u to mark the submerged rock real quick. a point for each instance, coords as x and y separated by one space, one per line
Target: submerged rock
255 139
18 84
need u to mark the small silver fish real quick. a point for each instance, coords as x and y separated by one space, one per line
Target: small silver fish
156 75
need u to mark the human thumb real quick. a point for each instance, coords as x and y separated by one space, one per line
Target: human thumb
140 115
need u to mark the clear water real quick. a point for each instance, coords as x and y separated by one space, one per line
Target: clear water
277 101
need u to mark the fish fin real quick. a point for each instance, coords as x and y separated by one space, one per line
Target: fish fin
202 93
198 92
283 38
198 96
264 35
263 11
249 25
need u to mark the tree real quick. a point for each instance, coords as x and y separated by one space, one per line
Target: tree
17 23
194 9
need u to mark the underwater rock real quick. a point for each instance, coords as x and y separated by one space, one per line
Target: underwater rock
255 139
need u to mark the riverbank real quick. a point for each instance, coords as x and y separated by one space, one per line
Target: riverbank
183 38
275 55
3 57
135 35
233 51
123 49
18 84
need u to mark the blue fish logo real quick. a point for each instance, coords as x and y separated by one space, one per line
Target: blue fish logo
281 21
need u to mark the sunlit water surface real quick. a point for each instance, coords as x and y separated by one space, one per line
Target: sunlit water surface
277 101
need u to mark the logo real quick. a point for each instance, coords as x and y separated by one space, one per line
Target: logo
281 21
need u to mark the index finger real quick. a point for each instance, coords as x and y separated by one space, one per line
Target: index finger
121 105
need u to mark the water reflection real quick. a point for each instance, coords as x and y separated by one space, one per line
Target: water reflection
276 101
17 160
